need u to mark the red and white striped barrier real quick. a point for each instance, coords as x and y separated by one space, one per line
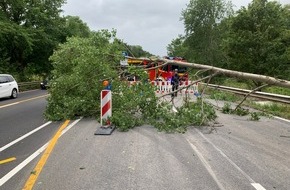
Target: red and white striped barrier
166 87
163 87
106 106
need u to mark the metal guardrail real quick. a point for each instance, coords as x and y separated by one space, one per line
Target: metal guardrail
260 95
23 86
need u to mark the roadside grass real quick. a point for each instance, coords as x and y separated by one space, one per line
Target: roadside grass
276 109
238 83
277 90
272 108
224 96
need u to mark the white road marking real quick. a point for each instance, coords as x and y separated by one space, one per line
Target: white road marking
7 105
24 136
14 171
206 165
258 186
70 126
22 101
9 175
231 162
280 118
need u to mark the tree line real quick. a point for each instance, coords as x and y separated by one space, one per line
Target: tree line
254 39
32 30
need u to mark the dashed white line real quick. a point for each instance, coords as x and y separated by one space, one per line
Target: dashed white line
24 136
206 165
253 183
258 186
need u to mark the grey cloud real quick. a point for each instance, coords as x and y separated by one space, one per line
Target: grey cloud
149 23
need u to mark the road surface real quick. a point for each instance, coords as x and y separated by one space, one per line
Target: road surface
238 154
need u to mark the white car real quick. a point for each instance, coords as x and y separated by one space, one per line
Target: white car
8 86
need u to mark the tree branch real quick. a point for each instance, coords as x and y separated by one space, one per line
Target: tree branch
258 88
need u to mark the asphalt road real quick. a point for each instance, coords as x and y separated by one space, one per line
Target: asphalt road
23 130
238 155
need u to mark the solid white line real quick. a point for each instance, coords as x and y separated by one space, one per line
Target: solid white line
14 171
9 175
22 101
70 126
280 118
227 158
206 165
7 105
258 186
24 136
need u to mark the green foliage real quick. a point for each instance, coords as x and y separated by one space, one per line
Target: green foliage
277 90
80 66
178 48
135 51
241 111
198 113
276 109
76 27
134 105
223 96
30 30
227 108
259 38
203 34
255 116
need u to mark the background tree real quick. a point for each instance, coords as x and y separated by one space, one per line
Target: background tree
76 27
136 51
203 36
30 30
259 39
177 47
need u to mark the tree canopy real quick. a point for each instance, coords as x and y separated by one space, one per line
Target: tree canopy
259 39
202 35
30 30
254 39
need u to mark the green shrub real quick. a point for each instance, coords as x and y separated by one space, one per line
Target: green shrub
227 108
241 111
255 116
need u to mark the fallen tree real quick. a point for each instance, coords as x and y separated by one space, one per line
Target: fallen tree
79 68
242 75
267 80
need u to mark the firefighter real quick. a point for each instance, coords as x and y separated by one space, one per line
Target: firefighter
175 82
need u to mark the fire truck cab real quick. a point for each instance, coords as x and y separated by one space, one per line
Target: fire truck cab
164 73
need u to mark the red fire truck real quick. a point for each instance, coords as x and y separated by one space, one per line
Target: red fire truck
164 73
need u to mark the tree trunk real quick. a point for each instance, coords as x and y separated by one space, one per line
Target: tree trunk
242 75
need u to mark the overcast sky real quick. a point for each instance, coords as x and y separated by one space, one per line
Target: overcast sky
152 24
